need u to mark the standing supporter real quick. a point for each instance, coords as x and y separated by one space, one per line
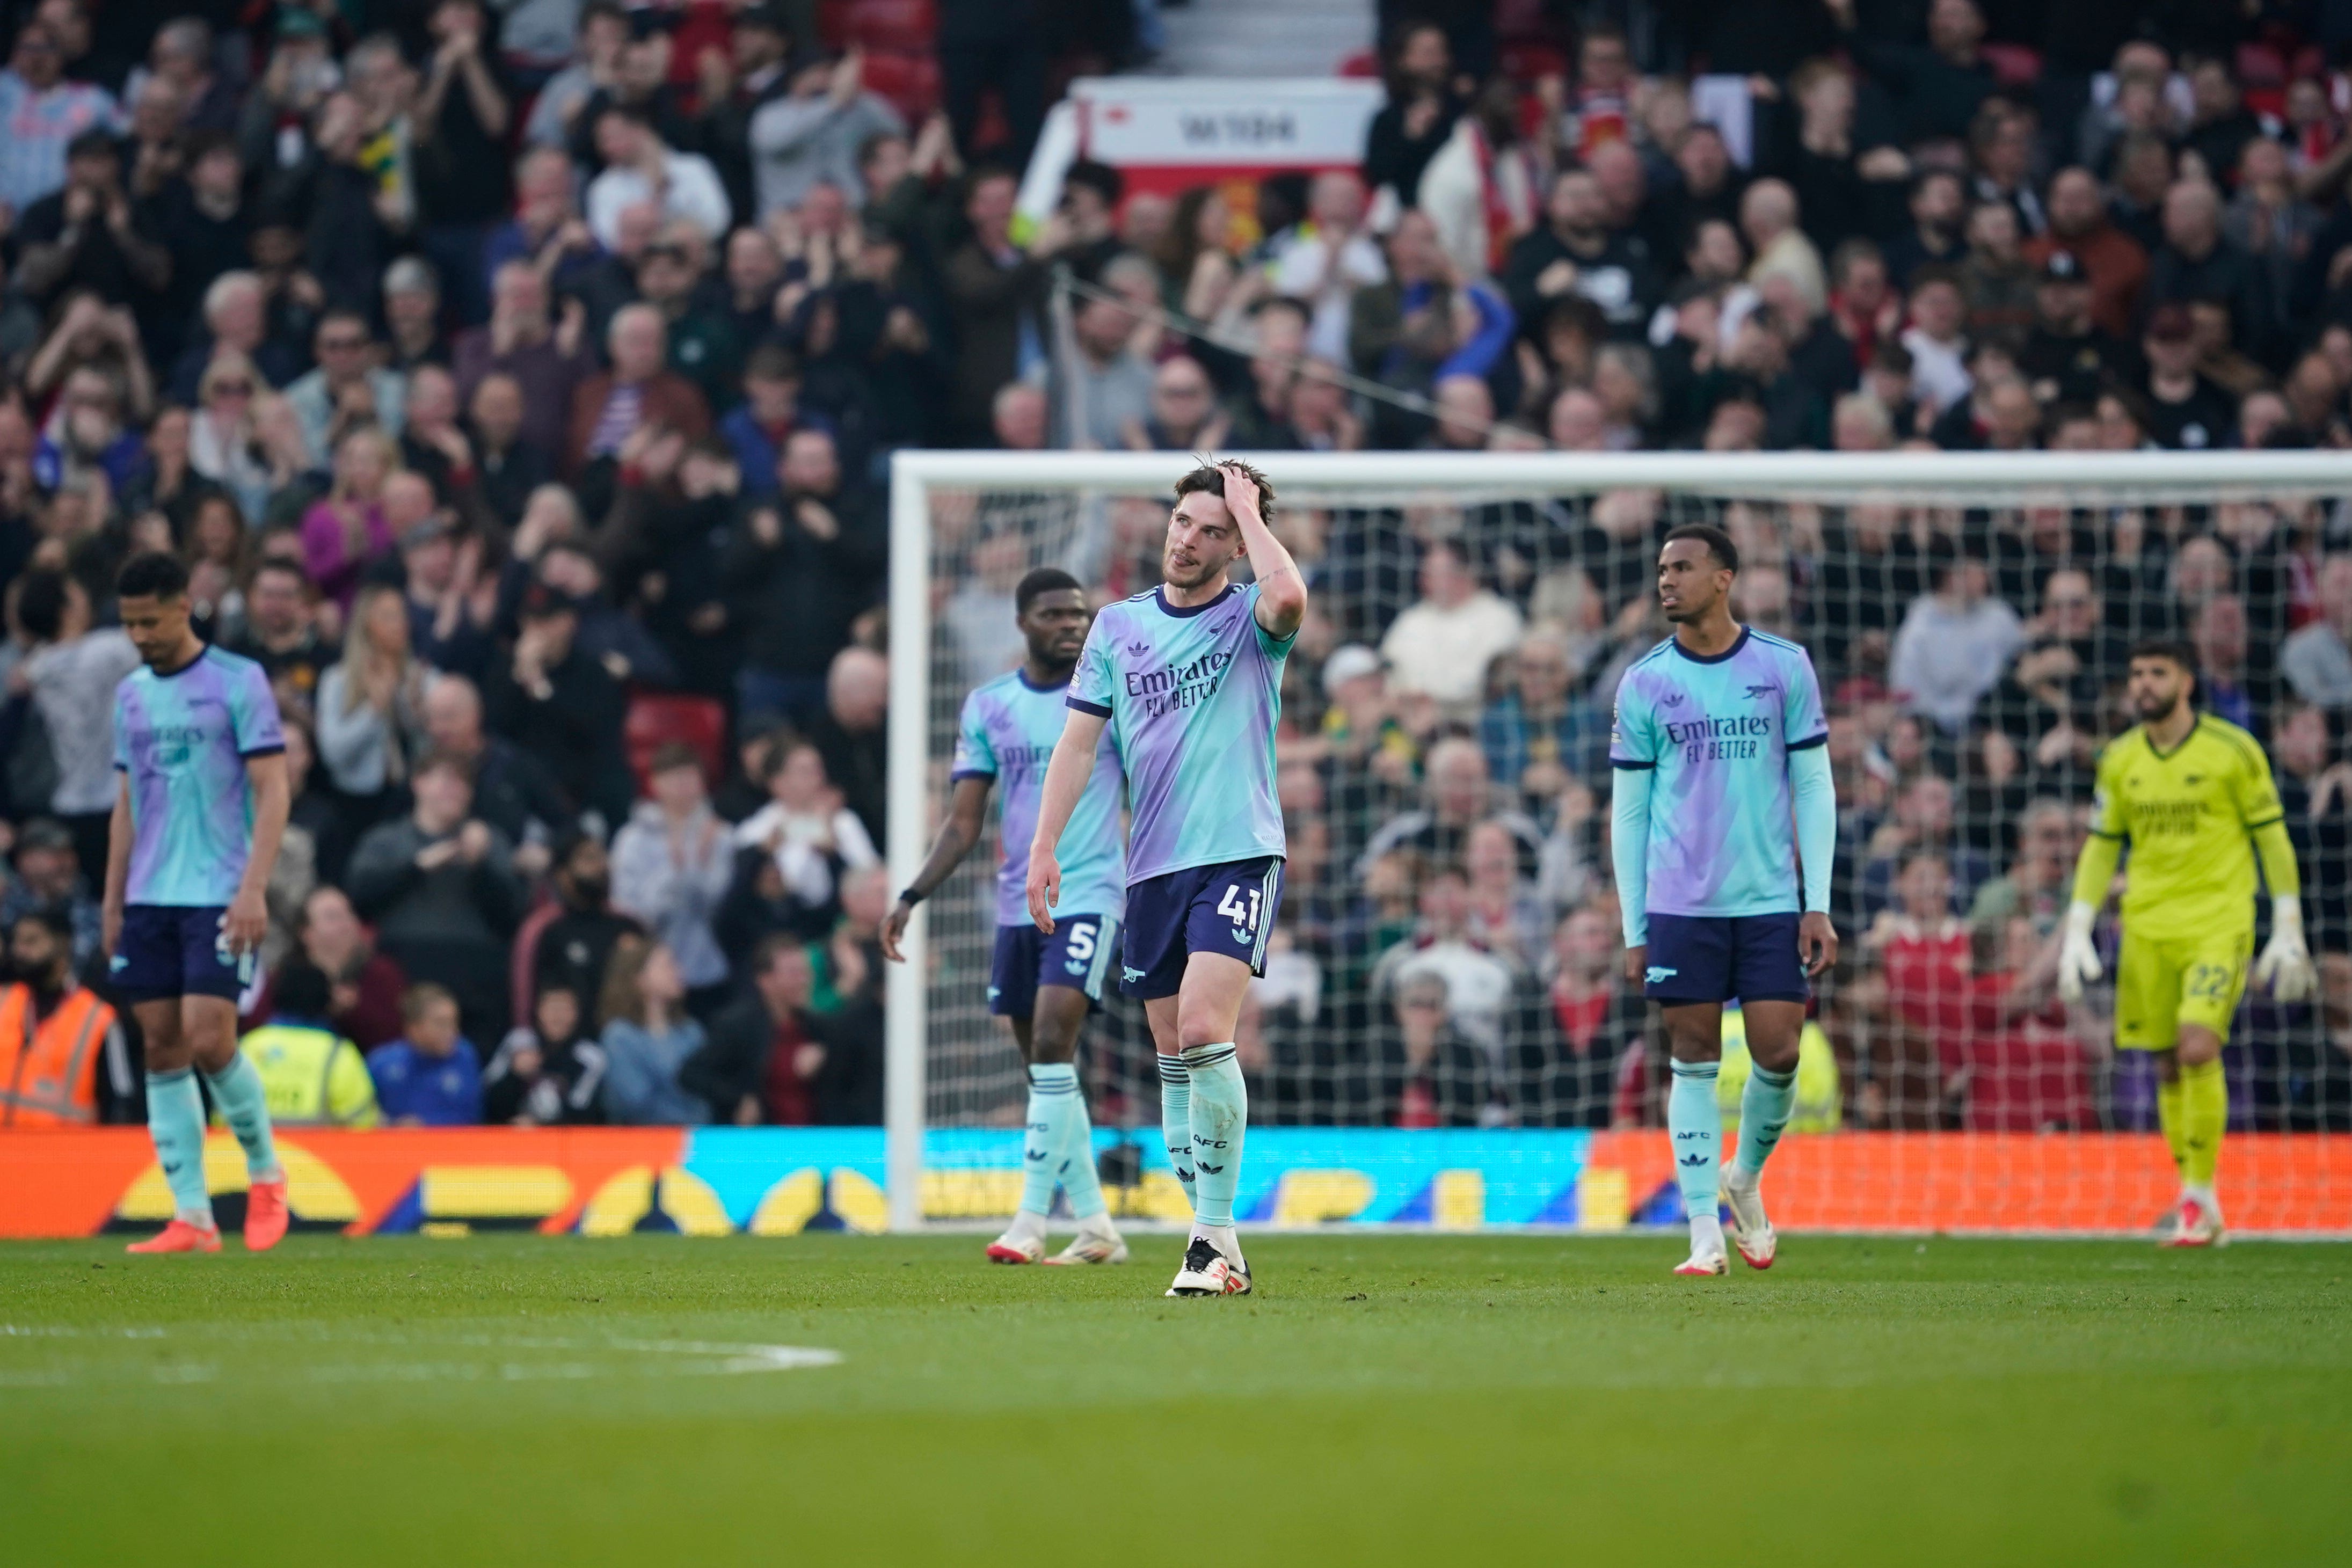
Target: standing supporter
439 887
773 1061
802 567
671 867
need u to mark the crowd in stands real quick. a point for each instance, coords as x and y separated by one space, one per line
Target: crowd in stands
520 384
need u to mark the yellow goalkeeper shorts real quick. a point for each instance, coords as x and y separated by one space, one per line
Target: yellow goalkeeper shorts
2163 982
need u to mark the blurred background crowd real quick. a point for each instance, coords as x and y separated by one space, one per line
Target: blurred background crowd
520 382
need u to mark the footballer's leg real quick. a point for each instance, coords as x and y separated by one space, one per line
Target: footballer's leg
1694 1041
208 1024
175 1121
1053 1053
1208 1017
1774 1030
1023 1241
1011 995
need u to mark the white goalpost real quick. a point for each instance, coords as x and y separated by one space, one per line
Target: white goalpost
1557 532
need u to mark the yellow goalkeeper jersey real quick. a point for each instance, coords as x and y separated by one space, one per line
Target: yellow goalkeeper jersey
2195 817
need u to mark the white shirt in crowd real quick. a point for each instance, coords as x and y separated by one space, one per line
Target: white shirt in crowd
1444 653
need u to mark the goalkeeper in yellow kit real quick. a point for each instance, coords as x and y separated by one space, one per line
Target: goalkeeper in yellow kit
2195 798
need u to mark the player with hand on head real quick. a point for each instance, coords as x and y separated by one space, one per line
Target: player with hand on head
197 821
2194 796
1043 984
1725 825
1189 678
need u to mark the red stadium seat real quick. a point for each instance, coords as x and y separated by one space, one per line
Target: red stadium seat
910 81
899 25
2260 65
1362 64
657 718
832 21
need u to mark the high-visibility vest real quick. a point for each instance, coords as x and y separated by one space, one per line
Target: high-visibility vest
311 1077
49 1067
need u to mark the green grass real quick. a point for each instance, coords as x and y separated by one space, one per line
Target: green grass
1444 1400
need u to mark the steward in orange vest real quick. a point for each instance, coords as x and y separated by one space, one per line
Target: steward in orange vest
52 1031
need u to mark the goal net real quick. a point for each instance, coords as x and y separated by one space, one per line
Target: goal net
1441 1035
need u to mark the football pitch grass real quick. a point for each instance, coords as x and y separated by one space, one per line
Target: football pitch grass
1431 1399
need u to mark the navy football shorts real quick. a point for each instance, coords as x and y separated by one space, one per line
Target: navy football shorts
1078 955
1723 958
1226 909
177 950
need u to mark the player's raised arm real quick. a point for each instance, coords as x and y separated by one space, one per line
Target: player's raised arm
1281 587
967 808
1066 781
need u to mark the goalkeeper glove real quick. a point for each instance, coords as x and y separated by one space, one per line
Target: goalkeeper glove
2285 969
2078 960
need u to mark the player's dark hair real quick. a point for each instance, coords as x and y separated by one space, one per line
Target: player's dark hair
1044 579
303 990
1208 479
1718 543
41 604
151 574
2172 648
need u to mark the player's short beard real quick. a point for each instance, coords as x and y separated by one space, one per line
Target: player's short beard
2166 712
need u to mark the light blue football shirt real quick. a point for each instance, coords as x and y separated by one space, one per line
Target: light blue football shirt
1192 696
182 739
1718 732
1007 732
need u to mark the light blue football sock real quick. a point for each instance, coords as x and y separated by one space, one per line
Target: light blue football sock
1176 1124
1073 1146
1765 1106
175 1120
1043 1143
1220 1114
236 1090
1695 1124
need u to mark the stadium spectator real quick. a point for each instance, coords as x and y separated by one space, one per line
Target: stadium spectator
2316 659
70 666
439 887
50 877
430 1076
559 704
648 1037
513 790
1432 1074
61 1047
1563 1076
1419 116
568 940
799 569
640 167
1442 644
548 1073
771 1058
1953 643
370 702
314 1076
364 985
672 864
1541 735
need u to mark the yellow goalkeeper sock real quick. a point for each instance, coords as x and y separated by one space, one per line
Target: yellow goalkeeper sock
2168 1117
2204 1113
